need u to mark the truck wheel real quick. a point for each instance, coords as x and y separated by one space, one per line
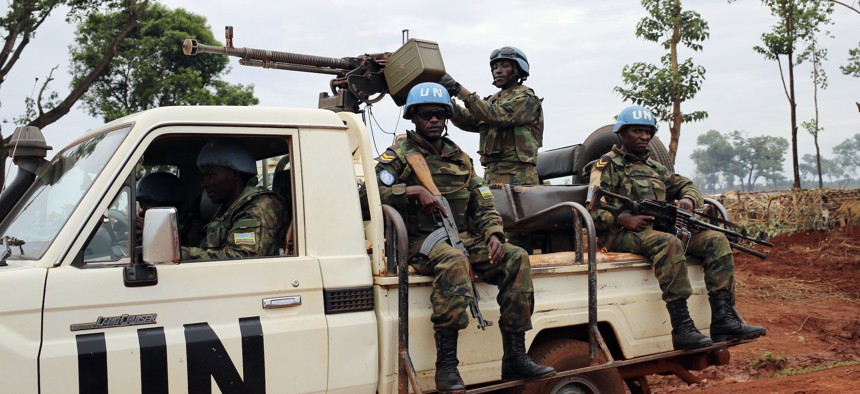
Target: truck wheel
600 141
566 354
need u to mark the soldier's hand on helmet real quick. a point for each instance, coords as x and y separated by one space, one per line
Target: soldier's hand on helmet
452 86
425 200
685 203
631 222
495 249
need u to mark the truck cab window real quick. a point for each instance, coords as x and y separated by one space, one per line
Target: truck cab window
111 241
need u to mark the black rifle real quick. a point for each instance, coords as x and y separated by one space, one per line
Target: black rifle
446 231
671 219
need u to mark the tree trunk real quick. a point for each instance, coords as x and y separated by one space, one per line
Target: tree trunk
792 101
815 82
675 130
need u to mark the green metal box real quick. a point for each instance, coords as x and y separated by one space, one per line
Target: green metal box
415 62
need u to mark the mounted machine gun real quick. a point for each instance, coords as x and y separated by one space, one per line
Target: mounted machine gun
361 79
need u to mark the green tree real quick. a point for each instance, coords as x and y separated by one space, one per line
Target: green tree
816 55
663 88
809 166
757 157
19 26
798 22
848 154
853 66
150 69
710 160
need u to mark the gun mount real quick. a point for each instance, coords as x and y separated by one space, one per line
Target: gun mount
360 79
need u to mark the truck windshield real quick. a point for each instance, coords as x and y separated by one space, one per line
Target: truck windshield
58 189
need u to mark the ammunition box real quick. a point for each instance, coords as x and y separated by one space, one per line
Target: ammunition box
415 62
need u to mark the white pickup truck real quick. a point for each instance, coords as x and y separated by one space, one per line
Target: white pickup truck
84 312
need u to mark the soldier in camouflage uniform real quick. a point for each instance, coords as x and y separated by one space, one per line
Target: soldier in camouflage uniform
248 222
627 170
494 261
510 122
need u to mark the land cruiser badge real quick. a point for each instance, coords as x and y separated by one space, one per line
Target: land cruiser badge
115 321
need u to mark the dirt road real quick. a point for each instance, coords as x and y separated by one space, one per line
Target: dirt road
807 295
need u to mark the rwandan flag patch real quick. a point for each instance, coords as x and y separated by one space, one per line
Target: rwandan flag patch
485 192
244 239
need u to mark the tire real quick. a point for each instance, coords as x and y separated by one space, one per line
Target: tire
565 354
595 145
600 141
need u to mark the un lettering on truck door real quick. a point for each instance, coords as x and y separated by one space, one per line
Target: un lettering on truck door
205 326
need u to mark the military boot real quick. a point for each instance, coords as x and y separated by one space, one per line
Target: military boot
516 364
685 336
726 324
448 378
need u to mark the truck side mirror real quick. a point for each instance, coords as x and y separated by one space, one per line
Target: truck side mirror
160 245
160 236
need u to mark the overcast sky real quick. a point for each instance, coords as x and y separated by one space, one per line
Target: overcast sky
576 50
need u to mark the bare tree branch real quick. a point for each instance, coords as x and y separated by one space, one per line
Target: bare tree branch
44 119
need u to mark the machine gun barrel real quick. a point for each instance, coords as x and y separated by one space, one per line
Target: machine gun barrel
315 64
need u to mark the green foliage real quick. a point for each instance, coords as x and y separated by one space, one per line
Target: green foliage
829 168
725 157
772 228
664 87
853 66
757 157
848 154
711 160
150 69
652 86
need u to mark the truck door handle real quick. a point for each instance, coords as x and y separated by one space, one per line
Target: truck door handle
281 302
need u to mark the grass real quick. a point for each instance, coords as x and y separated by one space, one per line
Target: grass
767 358
801 371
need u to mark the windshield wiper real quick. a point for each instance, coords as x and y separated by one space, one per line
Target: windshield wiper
9 242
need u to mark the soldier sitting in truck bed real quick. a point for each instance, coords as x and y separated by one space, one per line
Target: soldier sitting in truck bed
248 222
627 170
428 105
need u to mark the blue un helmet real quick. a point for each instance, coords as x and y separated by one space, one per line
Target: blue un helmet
635 115
427 93
511 53
227 152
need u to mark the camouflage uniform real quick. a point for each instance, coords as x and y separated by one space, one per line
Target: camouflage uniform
473 211
250 227
639 177
510 123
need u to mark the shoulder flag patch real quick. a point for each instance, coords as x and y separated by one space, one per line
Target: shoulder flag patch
387 156
603 162
485 192
244 239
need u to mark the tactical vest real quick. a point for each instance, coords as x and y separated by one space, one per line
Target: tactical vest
219 227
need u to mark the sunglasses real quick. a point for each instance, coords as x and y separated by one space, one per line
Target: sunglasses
505 51
428 114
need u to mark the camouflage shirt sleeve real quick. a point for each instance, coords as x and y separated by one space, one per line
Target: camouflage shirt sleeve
679 186
392 191
601 177
522 108
463 119
253 232
482 210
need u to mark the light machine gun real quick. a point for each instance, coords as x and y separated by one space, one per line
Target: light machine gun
679 222
360 79
446 231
